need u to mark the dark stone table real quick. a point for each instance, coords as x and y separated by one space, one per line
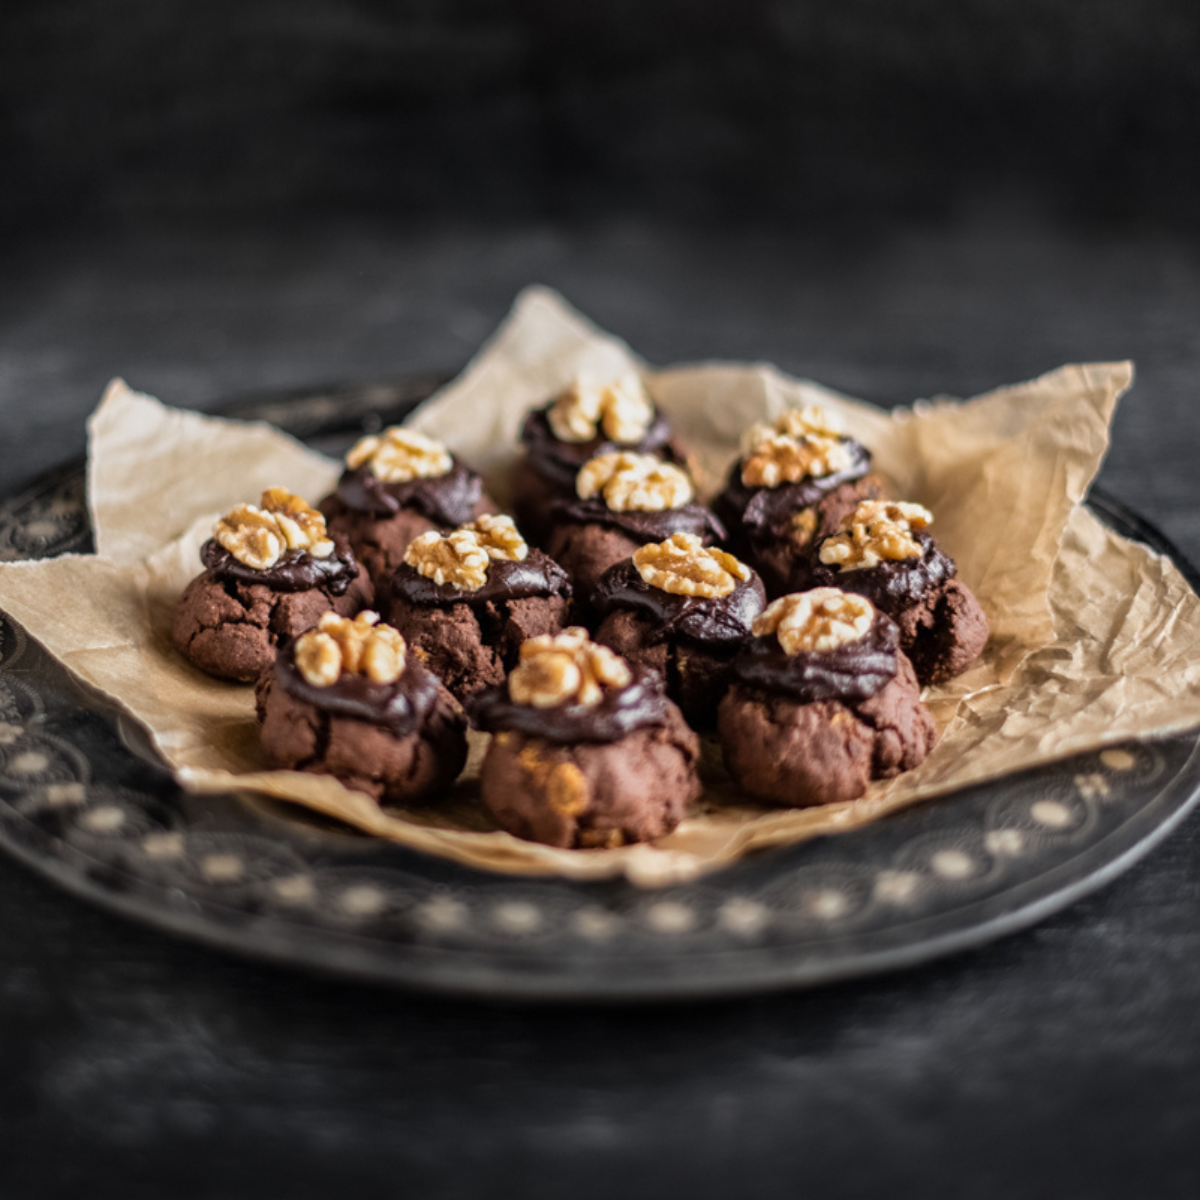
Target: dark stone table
1063 1062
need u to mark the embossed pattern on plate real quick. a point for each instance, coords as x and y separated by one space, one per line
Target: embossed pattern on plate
82 801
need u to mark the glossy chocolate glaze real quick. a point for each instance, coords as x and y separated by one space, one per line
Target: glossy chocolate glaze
763 513
622 710
536 575
722 622
891 585
448 499
642 527
400 707
558 462
851 672
296 571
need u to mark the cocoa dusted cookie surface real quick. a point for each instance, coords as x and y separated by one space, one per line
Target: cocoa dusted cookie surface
795 481
883 551
586 751
397 485
622 501
824 701
585 420
466 601
270 572
684 610
347 699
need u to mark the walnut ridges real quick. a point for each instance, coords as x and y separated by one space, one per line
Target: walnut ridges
341 646
618 410
818 620
399 455
876 531
634 483
566 669
683 566
461 558
258 537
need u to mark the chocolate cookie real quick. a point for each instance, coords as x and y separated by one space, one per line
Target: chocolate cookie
792 487
346 700
883 552
622 502
396 486
584 421
683 610
466 601
824 702
270 572
586 751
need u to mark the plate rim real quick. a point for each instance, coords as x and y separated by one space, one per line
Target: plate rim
451 971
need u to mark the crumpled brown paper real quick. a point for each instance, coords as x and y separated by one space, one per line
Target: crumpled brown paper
1095 639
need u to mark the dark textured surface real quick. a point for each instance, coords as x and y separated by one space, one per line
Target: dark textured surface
1061 1062
534 109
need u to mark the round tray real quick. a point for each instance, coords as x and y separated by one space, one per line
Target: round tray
83 802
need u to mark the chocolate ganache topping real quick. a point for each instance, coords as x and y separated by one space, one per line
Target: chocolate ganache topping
852 671
722 621
400 707
535 575
642 526
766 513
639 704
895 583
559 462
448 499
296 571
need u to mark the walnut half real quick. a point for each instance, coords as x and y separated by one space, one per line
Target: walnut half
819 620
567 668
499 536
619 408
400 455
341 646
781 459
634 483
876 531
810 420
683 566
457 558
460 558
258 537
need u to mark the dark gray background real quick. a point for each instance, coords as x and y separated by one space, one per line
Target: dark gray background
898 201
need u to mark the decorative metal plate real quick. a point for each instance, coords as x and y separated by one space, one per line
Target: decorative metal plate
83 802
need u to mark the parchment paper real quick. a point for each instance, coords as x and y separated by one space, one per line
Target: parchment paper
1095 639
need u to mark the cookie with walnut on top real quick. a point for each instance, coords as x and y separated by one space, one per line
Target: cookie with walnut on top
397 485
795 480
588 418
347 699
622 501
823 702
269 572
465 601
684 610
587 751
882 550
